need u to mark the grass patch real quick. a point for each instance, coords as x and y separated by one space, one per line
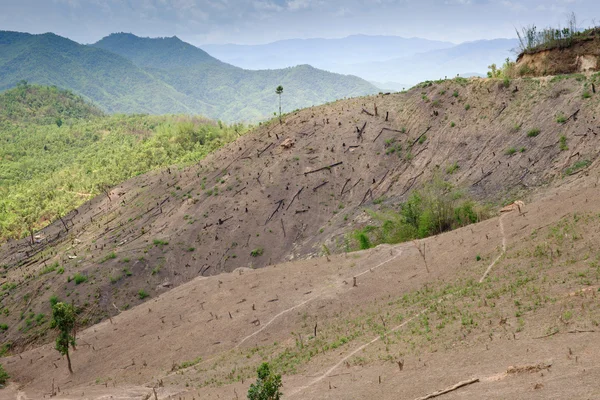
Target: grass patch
142 294
577 166
533 132
107 257
257 252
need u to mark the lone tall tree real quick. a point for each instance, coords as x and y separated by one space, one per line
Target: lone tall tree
63 318
279 90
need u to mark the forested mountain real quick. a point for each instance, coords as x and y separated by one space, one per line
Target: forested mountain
111 81
127 74
57 151
234 92
44 105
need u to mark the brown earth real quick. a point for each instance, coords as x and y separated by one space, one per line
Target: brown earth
287 202
528 331
288 189
582 56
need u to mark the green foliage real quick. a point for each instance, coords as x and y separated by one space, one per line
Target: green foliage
79 278
510 151
3 376
533 132
586 94
532 40
267 386
46 170
561 119
3 327
160 242
438 207
467 107
142 294
563 143
452 168
257 252
581 164
63 318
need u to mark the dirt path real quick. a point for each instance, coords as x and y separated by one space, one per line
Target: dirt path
394 329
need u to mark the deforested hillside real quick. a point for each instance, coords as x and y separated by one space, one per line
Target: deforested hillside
301 188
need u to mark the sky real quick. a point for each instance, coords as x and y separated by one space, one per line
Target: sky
263 21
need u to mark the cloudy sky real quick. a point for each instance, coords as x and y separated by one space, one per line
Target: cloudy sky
262 21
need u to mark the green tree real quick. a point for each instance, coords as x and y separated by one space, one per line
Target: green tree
63 318
267 385
279 91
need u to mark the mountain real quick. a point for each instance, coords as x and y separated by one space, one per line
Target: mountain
108 79
123 73
327 54
470 58
43 105
381 60
233 92
163 53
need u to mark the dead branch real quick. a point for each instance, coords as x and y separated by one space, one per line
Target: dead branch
447 390
344 187
239 191
282 227
366 112
265 149
361 131
422 252
385 129
320 185
413 179
322 168
279 204
369 192
294 198
420 136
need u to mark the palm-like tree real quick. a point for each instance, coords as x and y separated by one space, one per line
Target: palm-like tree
279 91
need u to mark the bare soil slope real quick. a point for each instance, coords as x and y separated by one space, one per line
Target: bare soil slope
281 192
520 322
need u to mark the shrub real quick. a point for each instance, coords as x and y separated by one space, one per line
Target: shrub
3 376
79 278
142 294
257 252
586 94
267 386
533 132
159 242
455 94
561 119
510 151
467 107
3 327
563 143
577 166
109 256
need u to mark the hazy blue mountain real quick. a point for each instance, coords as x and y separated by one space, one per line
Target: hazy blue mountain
389 62
322 53
470 58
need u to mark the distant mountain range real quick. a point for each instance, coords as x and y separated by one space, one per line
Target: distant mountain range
383 60
123 73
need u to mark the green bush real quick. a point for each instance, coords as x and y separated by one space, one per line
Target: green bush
257 252
438 207
142 294
267 386
79 278
3 376
533 132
